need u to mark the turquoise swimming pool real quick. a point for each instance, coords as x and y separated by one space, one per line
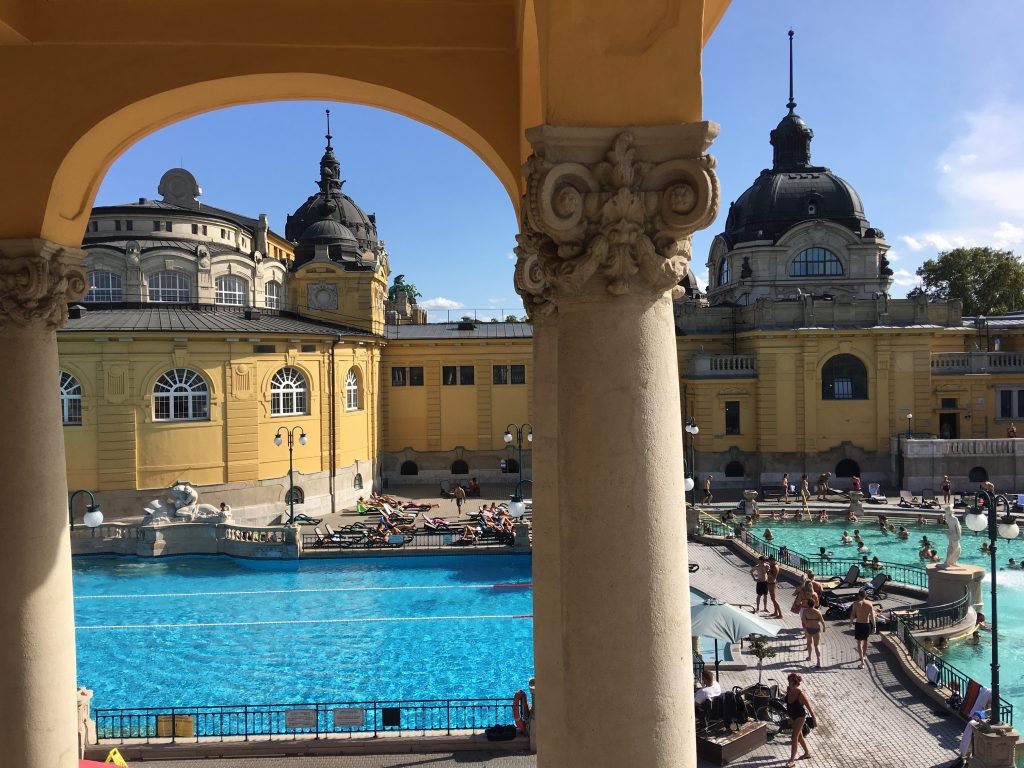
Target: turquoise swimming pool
212 630
975 661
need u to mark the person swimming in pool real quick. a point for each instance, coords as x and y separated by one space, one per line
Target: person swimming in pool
847 538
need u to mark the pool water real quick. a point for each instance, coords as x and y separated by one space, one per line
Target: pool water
213 630
975 661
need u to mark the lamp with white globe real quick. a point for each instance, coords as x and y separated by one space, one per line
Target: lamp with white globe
690 483
278 439
516 504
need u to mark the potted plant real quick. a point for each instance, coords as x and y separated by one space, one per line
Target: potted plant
761 650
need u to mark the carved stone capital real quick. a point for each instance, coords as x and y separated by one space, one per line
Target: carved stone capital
609 211
37 281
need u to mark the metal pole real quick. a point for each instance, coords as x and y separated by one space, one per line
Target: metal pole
693 467
291 478
519 435
993 534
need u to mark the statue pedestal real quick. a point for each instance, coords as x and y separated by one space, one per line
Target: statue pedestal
856 508
946 584
994 746
749 502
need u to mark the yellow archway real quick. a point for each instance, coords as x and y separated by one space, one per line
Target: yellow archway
78 178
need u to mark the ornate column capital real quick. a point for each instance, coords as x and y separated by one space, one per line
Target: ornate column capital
611 210
38 279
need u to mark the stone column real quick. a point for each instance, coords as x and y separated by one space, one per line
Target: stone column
38 710
994 746
856 505
607 219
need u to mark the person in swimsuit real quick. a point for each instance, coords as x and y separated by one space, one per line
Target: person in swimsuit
785 488
947 487
862 616
798 707
760 574
847 538
708 496
814 628
805 491
773 579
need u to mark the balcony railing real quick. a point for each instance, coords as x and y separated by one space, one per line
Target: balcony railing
953 363
722 367
966 448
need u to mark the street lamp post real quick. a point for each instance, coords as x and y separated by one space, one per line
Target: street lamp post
516 507
910 425
291 477
1006 528
692 429
93 513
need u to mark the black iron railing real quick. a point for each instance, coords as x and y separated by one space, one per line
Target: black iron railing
361 540
937 616
302 720
949 676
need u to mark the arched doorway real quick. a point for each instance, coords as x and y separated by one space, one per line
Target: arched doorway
847 468
977 475
734 469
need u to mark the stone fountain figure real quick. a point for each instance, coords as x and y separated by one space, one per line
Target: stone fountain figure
187 508
953 536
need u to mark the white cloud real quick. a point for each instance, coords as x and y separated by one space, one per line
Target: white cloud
904 278
510 256
496 302
1008 234
440 302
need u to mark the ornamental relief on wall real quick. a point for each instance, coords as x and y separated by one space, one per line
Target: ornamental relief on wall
322 296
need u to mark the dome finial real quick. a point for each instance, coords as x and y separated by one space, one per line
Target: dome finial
791 105
329 111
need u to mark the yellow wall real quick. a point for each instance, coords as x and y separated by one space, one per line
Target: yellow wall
361 295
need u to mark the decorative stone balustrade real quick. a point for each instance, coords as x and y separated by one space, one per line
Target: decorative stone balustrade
268 542
959 363
722 367
962 448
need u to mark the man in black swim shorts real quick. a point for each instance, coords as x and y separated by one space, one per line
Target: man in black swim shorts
862 616
760 574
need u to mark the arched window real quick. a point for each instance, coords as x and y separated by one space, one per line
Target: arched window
272 295
170 288
288 393
510 466
844 377
181 395
459 467
815 262
847 468
104 287
232 291
723 272
977 475
734 469
352 390
296 493
409 468
70 399
357 482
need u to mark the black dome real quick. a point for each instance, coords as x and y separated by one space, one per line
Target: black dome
792 191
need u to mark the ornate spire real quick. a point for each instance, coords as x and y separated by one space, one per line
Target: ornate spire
330 168
791 105
328 136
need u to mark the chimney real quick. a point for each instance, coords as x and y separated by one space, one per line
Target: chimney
76 312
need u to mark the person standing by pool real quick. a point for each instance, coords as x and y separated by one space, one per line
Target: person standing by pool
785 488
773 583
947 488
707 491
805 491
862 616
798 707
760 574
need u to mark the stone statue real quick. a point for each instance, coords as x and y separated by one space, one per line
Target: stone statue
953 534
186 508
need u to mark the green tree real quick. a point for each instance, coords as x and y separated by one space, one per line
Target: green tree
511 319
986 281
400 287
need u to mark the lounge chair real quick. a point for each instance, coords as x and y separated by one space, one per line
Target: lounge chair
367 509
405 517
907 499
928 500
875 495
851 579
874 588
301 518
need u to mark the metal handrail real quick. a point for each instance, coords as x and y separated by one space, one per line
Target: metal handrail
938 616
948 673
350 541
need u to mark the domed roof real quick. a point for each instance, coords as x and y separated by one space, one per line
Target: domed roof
792 191
331 218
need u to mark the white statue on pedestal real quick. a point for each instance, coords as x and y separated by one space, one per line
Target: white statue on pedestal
186 508
953 534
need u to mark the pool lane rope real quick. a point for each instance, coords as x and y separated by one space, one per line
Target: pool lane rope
526 585
283 622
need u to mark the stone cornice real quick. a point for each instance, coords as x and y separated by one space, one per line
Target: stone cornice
610 211
38 279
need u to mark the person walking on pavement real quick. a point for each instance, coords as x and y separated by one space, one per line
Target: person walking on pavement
773 579
862 616
707 491
798 707
460 497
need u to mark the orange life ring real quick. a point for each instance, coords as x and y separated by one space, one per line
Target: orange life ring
521 710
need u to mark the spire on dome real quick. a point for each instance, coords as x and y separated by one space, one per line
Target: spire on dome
328 136
791 139
330 168
791 105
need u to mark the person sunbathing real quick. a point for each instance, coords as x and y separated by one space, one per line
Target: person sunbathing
468 535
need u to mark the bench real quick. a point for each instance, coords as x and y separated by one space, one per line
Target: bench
726 746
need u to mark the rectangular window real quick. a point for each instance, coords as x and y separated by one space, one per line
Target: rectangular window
732 417
466 374
223 234
500 374
167 226
117 225
416 376
1006 404
94 226
195 229
518 374
398 376
204 229
948 403
449 375
129 225
156 226
843 389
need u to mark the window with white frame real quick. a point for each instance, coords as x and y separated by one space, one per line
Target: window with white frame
105 287
231 290
181 394
170 288
1010 402
272 295
288 393
70 399
815 262
352 390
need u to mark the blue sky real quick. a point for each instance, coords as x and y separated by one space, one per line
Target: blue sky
918 103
